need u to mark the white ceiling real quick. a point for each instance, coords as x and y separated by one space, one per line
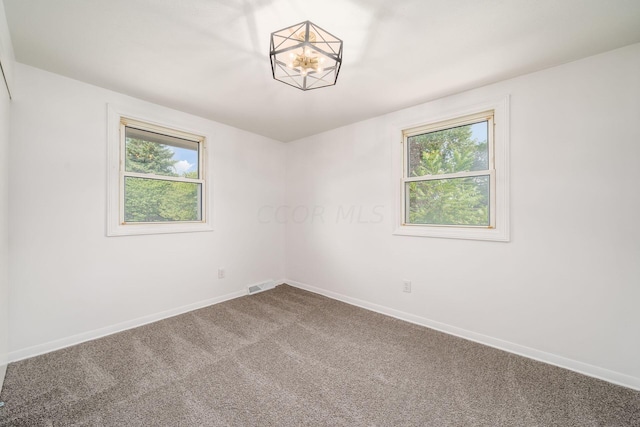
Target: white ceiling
210 57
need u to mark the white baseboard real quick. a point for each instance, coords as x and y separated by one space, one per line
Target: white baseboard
3 371
47 347
531 353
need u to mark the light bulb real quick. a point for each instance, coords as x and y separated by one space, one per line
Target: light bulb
322 59
290 65
291 55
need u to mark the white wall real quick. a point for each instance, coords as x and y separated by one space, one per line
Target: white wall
4 232
6 59
564 290
4 229
68 281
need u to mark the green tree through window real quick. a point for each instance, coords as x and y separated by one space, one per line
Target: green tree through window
147 196
436 189
148 157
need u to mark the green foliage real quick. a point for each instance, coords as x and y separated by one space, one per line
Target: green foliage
151 200
148 157
154 200
454 201
459 201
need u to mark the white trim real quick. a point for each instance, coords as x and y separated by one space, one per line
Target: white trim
115 227
162 177
50 346
161 131
483 172
3 371
457 120
501 230
528 352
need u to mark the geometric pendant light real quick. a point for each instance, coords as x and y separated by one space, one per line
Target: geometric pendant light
305 56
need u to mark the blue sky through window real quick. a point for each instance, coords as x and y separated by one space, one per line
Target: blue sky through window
185 160
479 131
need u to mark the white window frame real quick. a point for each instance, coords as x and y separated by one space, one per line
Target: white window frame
498 229
118 118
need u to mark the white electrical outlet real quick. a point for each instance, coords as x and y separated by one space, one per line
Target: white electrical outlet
221 273
406 286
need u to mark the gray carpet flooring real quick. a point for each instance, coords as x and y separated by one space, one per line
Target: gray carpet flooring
287 357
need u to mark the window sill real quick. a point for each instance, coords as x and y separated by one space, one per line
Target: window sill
164 228
470 233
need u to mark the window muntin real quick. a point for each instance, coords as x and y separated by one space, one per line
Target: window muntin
162 178
449 175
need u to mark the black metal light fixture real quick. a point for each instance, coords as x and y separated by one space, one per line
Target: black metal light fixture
305 56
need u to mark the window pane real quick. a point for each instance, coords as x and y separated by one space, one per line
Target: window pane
456 201
153 200
457 149
149 152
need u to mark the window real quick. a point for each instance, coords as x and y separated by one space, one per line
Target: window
454 177
448 172
157 178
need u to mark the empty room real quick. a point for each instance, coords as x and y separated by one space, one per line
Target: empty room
333 213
